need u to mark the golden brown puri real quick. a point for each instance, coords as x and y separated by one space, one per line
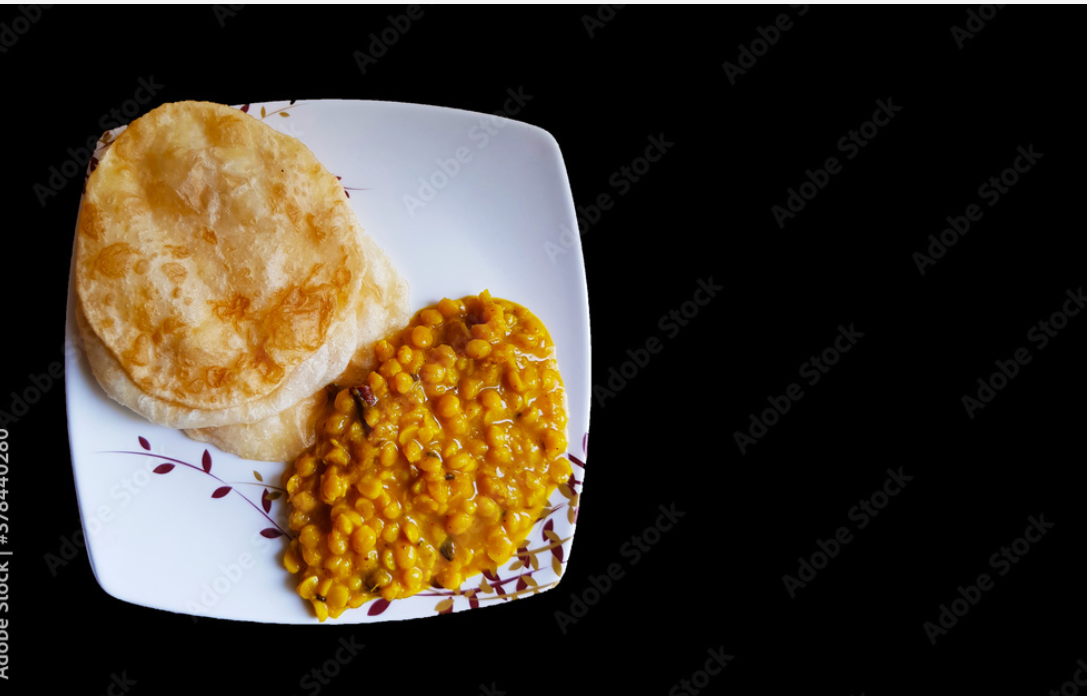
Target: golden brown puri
325 363
383 307
277 438
218 264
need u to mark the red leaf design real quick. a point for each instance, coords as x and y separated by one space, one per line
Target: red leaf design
473 603
163 469
490 575
500 591
558 551
524 556
271 533
378 606
144 443
206 462
221 491
265 502
576 460
520 585
547 527
245 108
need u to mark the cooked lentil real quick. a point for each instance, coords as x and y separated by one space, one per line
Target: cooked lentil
437 466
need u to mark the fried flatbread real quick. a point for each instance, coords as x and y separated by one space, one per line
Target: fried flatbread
384 308
323 366
218 267
278 438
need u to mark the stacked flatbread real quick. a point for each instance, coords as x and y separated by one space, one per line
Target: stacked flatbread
224 280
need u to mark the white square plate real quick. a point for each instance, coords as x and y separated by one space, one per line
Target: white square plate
462 202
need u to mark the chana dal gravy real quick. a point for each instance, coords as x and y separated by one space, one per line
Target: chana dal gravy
435 467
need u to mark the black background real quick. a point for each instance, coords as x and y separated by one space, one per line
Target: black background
704 211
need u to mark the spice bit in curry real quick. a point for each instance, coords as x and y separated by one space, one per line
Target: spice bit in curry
437 466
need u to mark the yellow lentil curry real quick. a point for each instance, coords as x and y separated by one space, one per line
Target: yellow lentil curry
436 467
